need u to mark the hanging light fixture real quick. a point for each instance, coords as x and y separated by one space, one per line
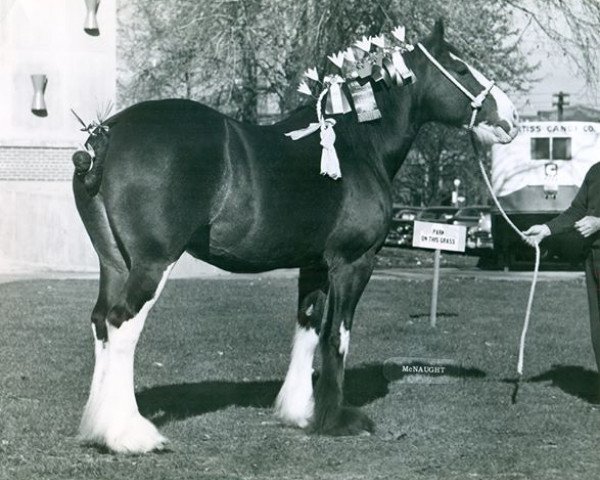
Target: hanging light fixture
91 22
38 106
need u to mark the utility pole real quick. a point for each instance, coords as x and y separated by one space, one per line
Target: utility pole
560 103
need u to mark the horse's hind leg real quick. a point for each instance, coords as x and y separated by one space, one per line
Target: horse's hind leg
113 275
128 289
348 280
111 416
112 281
295 404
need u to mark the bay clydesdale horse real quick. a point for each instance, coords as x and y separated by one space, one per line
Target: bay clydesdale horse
176 176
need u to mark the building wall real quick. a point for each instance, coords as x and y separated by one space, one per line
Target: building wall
47 37
39 226
18 163
41 230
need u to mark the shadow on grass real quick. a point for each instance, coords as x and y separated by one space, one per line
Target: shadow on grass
363 385
574 380
439 314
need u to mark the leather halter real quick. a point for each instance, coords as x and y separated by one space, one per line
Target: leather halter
476 101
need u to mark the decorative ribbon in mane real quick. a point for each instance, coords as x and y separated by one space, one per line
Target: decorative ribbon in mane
330 164
337 103
359 66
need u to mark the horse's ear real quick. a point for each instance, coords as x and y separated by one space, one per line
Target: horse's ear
437 34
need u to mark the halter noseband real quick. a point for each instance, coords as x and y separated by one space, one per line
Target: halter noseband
476 101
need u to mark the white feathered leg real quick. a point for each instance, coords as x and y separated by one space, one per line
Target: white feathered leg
111 415
295 403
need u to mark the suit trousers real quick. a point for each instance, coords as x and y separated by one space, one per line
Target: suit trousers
592 280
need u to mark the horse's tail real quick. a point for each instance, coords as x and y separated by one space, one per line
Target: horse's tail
87 169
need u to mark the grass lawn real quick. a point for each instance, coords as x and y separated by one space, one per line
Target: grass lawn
214 353
391 257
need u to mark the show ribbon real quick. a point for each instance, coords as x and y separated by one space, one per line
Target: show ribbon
337 103
393 74
400 65
304 132
379 73
330 163
364 101
359 67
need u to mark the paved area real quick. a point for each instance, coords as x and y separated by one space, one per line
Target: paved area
426 273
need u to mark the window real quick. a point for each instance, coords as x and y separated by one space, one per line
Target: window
545 148
561 148
540 148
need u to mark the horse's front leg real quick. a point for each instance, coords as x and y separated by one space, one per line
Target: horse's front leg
295 404
347 283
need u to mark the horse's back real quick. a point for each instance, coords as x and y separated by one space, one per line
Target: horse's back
164 169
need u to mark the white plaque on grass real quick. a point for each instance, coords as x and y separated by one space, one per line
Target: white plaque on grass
439 236
426 370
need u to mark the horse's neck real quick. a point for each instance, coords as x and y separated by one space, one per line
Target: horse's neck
390 138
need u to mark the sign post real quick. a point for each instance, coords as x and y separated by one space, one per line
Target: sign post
438 237
435 287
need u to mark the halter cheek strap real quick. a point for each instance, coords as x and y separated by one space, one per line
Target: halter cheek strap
476 101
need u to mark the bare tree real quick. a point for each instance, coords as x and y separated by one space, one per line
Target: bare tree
231 54
573 27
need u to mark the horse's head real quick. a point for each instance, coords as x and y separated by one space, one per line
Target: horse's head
455 93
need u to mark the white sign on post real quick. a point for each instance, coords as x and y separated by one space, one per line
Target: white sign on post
438 237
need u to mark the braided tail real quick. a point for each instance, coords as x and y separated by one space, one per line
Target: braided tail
89 169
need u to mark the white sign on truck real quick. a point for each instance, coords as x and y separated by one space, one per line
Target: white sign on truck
439 236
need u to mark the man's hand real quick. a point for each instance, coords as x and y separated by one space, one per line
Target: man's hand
588 225
536 233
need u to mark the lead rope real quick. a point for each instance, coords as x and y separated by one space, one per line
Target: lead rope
521 360
476 104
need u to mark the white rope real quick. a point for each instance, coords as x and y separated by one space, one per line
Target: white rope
319 107
520 361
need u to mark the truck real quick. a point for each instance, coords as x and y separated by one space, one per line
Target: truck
535 177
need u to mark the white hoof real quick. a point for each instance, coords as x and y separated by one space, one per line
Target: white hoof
135 435
294 411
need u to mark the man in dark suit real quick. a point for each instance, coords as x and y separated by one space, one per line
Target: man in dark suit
584 216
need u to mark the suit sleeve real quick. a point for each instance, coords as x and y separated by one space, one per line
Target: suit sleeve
578 209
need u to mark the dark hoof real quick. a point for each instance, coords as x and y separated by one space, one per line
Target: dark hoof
344 421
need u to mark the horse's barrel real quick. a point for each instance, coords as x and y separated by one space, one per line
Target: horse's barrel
82 161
